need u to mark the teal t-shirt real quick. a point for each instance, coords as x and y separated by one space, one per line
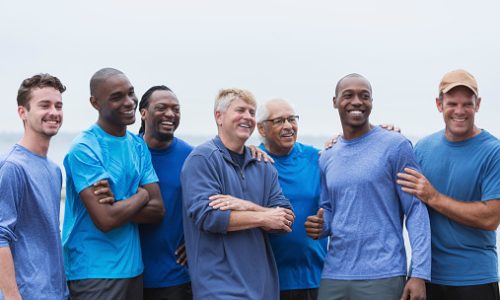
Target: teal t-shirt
126 163
466 171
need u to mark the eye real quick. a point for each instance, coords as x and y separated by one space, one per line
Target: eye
278 121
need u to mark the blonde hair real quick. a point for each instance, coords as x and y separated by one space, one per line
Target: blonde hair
226 96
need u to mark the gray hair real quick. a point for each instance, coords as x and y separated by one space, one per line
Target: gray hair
263 109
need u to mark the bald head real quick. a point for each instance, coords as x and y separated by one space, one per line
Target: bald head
100 76
352 75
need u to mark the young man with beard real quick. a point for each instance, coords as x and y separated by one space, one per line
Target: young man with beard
163 252
362 208
31 263
101 242
230 203
460 183
299 258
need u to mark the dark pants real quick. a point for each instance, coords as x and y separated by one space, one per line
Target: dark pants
305 294
488 291
116 289
177 292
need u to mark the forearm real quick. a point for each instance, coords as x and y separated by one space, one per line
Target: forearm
241 220
479 214
152 213
8 285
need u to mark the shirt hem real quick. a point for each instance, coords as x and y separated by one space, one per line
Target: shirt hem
466 282
363 277
103 276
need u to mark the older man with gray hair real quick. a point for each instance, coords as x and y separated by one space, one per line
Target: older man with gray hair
230 203
299 258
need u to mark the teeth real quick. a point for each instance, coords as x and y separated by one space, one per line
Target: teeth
356 112
130 112
52 122
458 119
245 125
167 123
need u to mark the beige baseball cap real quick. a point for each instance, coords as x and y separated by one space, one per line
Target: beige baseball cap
456 78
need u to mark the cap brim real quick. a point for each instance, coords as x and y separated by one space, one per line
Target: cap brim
454 85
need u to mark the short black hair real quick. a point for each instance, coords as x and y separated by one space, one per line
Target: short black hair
352 75
100 76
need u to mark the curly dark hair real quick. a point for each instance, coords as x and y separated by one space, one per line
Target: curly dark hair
37 81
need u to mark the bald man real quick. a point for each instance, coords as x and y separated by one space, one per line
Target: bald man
111 186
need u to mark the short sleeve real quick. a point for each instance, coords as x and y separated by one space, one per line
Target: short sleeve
84 167
148 174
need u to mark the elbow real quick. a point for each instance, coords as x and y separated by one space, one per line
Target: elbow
158 217
490 225
105 225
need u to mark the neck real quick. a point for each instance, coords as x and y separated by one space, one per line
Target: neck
35 143
115 130
279 151
453 138
351 132
235 146
155 143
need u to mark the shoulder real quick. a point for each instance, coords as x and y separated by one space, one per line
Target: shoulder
206 149
183 147
307 149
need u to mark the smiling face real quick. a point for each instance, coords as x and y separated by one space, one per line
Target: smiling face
236 124
279 139
116 102
162 116
44 116
354 103
459 106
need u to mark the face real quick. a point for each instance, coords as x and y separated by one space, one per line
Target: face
237 122
116 101
459 107
45 115
162 115
279 138
354 102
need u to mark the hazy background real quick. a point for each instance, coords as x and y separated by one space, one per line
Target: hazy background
292 49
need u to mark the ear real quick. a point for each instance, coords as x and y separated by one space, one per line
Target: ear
21 111
143 114
218 118
95 103
334 100
478 103
261 129
439 104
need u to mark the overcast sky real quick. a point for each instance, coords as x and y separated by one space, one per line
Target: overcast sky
291 49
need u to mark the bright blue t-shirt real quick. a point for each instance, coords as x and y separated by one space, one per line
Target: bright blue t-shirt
126 163
159 241
298 257
466 171
30 196
364 209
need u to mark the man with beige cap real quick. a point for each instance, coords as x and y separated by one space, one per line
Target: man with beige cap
461 187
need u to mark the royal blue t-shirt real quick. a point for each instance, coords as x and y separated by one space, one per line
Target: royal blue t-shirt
126 163
466 171
298 257
160 241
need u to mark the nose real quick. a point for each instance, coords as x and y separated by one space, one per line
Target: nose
356 101
169 112
131 101
287 124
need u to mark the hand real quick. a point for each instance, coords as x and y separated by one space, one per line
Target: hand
314 225
103 191
278 218
181 255
390 127
414 289
258 154
329 144
416 184
226 202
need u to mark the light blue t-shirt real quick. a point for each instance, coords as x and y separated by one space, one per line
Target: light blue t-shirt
466 171
364 209
298 257
30 196
126 163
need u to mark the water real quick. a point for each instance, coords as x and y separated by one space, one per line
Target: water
59 146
